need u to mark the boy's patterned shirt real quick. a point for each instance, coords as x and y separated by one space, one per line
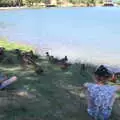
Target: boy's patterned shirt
100 96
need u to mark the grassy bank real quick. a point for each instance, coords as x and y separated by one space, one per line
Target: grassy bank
54 95
12 45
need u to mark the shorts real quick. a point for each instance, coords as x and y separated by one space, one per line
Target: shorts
101 114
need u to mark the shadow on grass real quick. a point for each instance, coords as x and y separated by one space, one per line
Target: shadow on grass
54 95
50 101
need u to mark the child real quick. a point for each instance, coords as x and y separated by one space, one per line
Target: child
100 95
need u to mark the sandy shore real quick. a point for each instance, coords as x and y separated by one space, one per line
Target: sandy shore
12 8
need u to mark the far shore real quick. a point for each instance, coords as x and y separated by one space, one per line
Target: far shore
57 6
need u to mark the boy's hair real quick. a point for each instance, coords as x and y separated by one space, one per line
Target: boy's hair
103 72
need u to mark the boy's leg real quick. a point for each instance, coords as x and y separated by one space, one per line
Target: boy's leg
8 82
107 114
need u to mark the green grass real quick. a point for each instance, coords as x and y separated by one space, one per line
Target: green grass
54 95
13 45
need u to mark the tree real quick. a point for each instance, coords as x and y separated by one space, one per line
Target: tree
100 1
89 2
118 2
30 2
9 3
20 3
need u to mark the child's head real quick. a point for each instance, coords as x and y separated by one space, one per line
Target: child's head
102 74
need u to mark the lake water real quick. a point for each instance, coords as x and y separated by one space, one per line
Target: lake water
86 34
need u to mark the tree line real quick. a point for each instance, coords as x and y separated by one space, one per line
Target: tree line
14 3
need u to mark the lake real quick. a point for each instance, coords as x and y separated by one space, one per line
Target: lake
84 34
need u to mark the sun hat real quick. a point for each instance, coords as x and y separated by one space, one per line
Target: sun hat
103 71
114 70
106 70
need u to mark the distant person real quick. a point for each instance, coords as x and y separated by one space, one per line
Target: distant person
5 81
100 95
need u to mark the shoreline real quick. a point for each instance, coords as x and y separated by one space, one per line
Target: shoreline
72 59
13 8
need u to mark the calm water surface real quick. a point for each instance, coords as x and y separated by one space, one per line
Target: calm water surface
87 34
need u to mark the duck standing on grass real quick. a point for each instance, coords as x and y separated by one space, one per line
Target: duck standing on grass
100 95
61 62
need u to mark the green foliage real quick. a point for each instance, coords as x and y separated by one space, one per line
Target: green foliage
32 2
118 2
89 2
29 2
9 3
83 1
100 1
